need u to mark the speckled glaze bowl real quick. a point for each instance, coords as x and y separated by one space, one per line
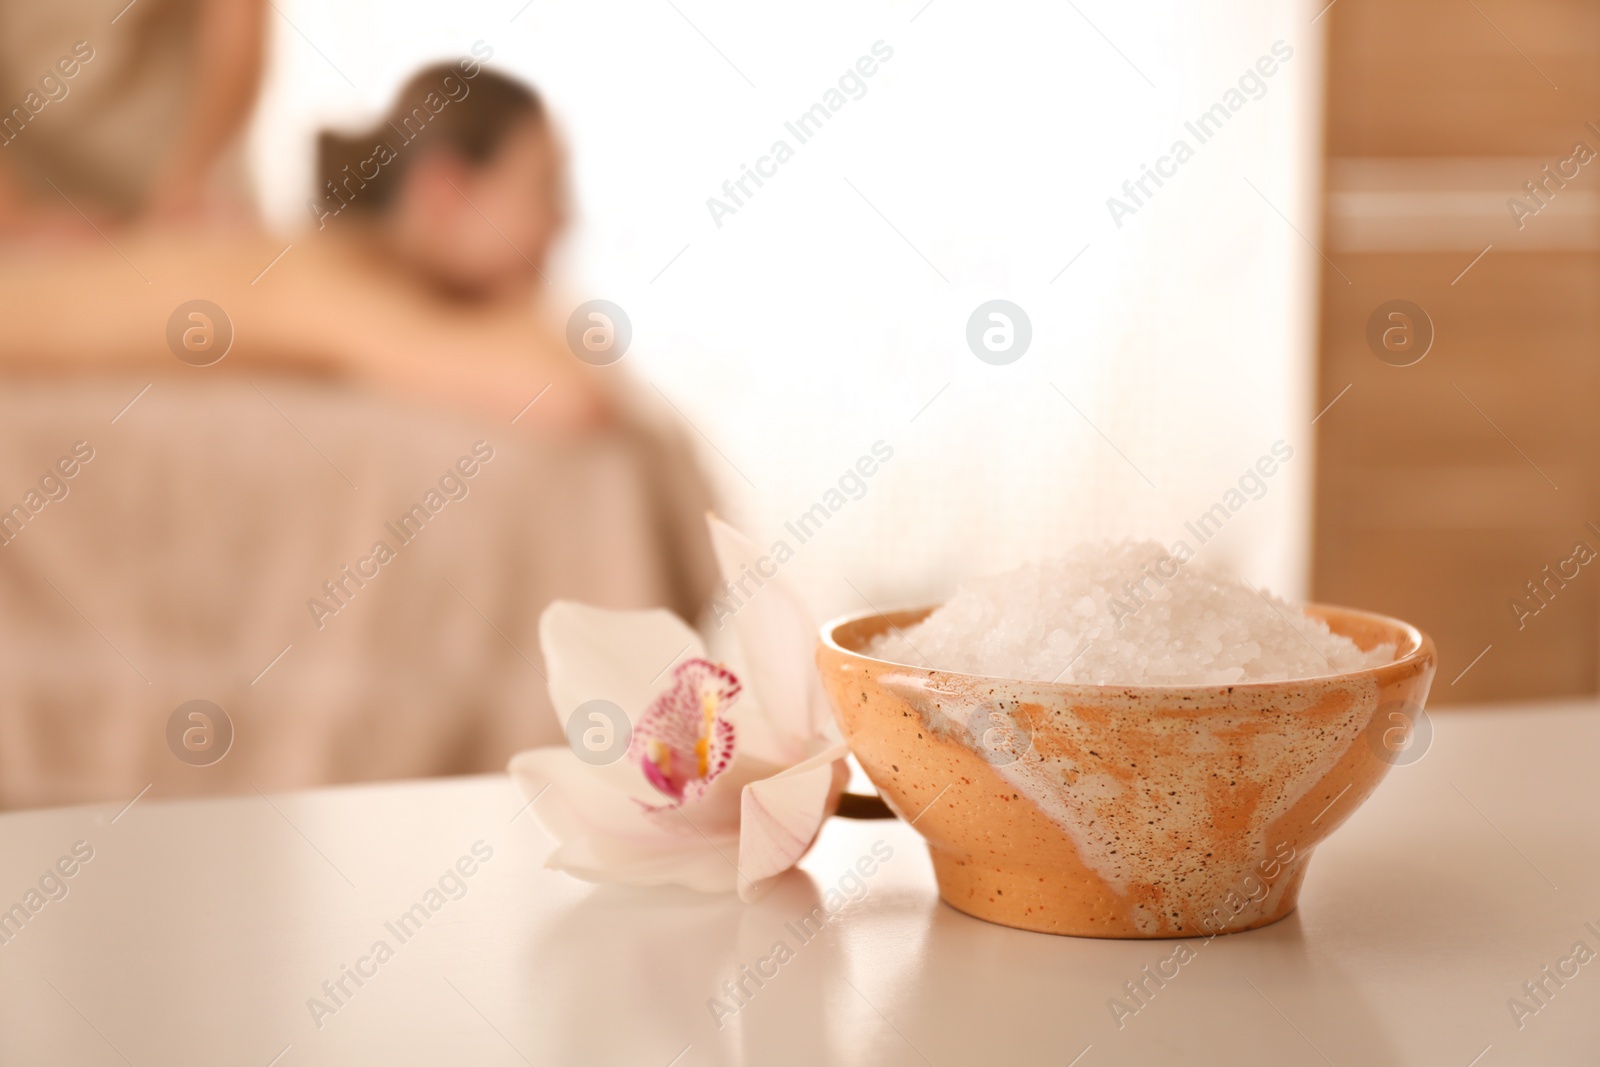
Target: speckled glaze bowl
1124 811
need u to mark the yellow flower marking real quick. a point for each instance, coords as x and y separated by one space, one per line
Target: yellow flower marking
661 755
702 747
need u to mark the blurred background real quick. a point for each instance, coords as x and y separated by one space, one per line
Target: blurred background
1259 229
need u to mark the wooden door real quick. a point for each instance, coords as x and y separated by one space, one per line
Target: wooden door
1455 491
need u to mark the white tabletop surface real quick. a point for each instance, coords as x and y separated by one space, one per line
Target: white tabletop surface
199 930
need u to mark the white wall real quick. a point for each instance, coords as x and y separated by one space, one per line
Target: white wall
805 328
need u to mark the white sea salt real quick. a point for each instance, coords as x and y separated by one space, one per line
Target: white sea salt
1124 614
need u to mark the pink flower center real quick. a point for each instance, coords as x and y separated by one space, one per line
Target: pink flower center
682 742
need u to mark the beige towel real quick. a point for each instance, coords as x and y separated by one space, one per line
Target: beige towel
180 560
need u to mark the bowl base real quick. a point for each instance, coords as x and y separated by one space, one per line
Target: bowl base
1027 898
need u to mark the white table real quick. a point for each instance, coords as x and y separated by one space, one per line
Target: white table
199 930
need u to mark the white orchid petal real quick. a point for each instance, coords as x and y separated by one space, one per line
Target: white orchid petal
620 656
778 640
779 817
571 801
604 836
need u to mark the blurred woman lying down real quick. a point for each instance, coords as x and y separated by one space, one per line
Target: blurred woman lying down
422 275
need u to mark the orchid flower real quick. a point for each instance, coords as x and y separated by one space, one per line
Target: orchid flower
730 770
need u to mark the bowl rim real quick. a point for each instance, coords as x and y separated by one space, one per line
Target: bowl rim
1421 656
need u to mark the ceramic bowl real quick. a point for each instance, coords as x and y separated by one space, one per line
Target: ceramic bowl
1125 811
